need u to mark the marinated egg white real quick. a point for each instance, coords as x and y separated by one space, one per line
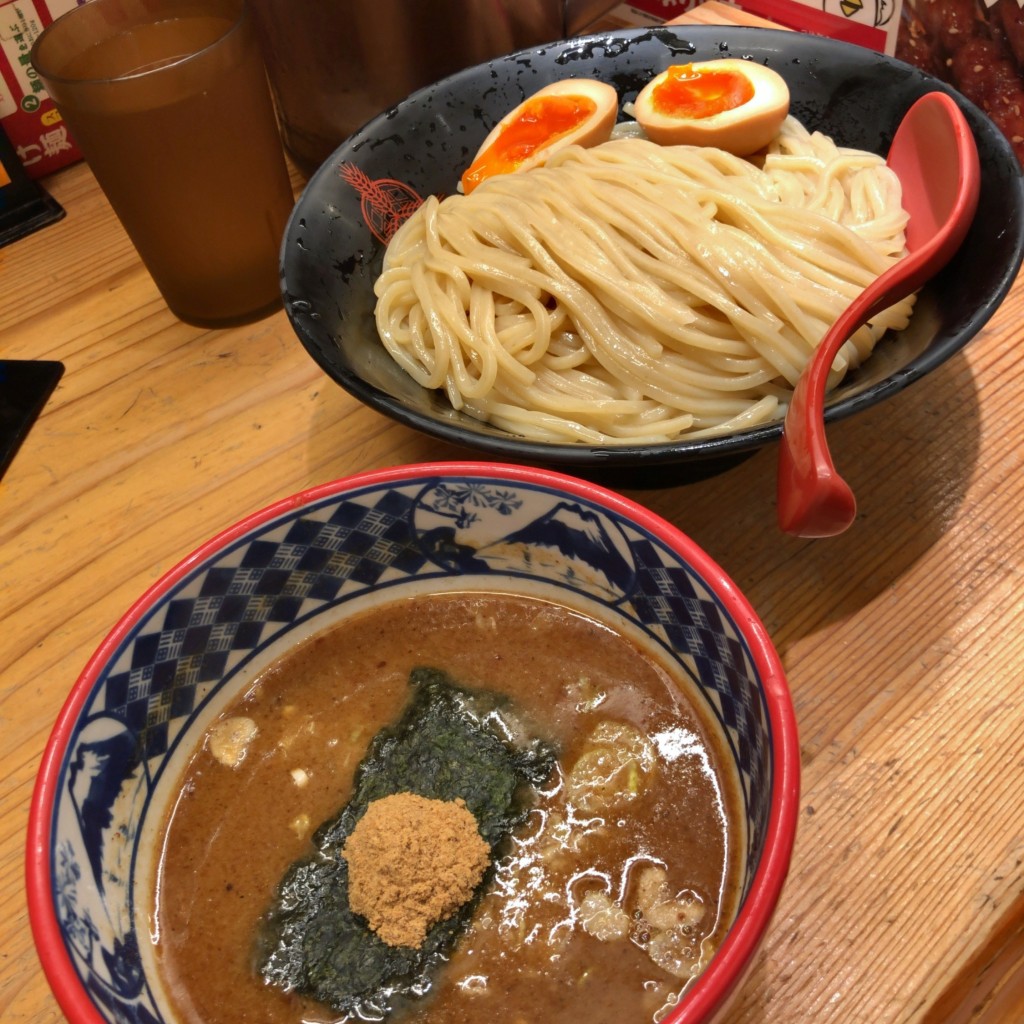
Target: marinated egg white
735 105
572 112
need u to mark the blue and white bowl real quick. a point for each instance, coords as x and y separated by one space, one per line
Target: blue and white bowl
200 635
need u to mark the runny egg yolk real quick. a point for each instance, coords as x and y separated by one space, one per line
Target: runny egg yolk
570 112
735 105
687 91
541 120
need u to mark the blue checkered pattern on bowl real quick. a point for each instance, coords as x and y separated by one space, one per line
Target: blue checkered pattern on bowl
233 606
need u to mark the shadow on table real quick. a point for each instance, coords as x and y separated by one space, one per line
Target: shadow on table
909 460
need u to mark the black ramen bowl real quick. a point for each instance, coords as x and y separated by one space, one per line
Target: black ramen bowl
333 246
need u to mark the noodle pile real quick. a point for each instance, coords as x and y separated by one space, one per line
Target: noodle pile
638 293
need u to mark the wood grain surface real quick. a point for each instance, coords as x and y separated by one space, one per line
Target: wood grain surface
903 639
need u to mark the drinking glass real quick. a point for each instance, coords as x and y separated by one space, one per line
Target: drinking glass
169 103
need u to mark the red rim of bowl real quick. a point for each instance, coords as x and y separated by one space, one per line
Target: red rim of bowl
727 969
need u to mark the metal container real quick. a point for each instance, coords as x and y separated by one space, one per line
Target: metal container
335 64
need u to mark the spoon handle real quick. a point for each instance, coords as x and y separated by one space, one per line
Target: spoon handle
941 195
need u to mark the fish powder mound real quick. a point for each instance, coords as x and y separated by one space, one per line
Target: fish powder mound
413 861
451 745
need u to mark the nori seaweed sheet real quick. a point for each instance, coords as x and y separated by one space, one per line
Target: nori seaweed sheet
449 742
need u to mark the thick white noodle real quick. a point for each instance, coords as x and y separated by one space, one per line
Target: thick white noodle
639 293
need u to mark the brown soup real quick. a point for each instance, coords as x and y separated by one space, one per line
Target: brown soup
612 897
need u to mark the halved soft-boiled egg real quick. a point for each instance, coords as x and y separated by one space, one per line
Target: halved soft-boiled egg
572 112
736 105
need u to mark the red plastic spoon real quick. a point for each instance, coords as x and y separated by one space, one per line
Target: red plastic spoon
934 155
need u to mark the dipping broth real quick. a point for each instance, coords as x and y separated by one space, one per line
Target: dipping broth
613 895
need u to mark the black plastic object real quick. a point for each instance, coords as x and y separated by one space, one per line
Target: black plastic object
449 743
25 206
331 255
25 385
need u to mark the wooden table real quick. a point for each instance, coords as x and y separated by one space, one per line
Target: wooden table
903 639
